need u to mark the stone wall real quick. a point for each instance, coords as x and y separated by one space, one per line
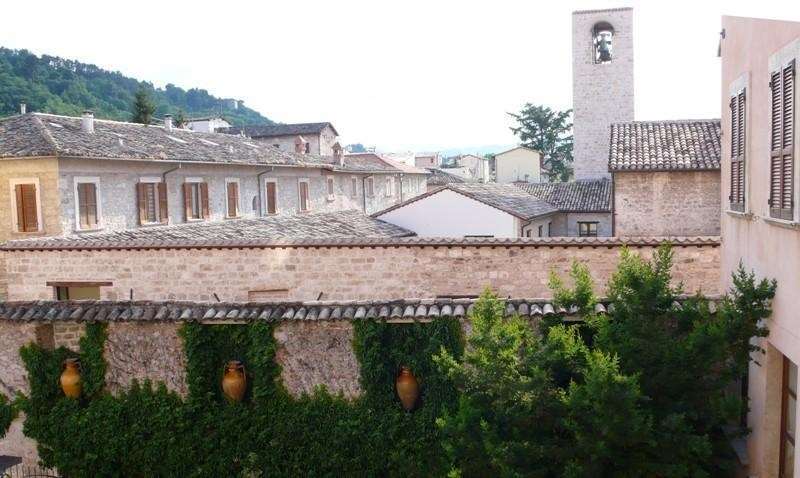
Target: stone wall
410 270
46 171
667 203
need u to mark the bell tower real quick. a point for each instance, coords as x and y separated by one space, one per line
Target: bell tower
602 84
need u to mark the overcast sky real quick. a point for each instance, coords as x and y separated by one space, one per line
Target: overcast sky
413 75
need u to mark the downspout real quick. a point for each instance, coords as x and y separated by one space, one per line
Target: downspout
164 174
260 202
613 207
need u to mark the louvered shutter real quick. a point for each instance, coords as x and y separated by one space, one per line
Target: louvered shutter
87 208
163 208
141 200
27 213
204 200
738 148
233 199
271 198
782 143
187 201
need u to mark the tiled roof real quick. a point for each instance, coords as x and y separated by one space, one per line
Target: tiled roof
376 162
441 177
374 241
272 130
406 310
683 145
339 224
505 197
575 196
39 134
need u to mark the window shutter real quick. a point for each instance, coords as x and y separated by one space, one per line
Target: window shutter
20 208
738 148
787 203
271 198
776 174
187 201
204 200
233 199
141 196
163 209
87 209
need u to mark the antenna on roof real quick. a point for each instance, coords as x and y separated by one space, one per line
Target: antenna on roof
216 296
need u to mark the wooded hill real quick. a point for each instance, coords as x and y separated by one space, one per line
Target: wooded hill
50 84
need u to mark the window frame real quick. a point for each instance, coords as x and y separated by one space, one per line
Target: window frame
589 225
195 182
330 188
781 213
354 186
389 186
77 181
155 181
738 144
238 183
268 181
370 191
300 195
13 182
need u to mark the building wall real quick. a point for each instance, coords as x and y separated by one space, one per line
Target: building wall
46 171
602 93
320 144
667 203
477 167
520 164
565 224
532 229
771 249
391 272
451 214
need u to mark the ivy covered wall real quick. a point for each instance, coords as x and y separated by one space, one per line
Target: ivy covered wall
147 430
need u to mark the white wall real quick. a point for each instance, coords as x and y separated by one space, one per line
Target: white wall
450 214
520 164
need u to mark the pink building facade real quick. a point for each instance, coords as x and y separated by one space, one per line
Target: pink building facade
760 223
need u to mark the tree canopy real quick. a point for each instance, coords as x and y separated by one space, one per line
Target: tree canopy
549 132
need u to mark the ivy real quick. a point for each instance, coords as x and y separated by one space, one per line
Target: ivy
149 431
7 415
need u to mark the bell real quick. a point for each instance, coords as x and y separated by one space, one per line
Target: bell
407 388
234 381
71 378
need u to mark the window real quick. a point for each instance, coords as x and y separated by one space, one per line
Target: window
781 197
736 197
331 190
77 290
788 418
271 195
370 187
528 233
303 190
389 186
354 187
276 146
308 148
548 230
152 200
602 34
87 207
232 197
26 206
541 231
587 229
195 199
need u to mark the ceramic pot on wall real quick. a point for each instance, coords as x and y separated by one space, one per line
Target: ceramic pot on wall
407 388
71 378
234 381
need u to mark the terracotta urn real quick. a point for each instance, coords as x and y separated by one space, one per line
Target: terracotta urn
407 388
71 378
234 381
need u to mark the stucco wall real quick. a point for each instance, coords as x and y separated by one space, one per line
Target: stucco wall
667 203
46 171
601 93
390 272
519 164
770 249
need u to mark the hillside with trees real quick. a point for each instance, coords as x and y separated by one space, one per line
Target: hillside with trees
51 84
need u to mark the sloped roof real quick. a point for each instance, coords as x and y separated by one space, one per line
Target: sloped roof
680 145
441 177
339 224
377 162
505 197
40 134
272 130
574 196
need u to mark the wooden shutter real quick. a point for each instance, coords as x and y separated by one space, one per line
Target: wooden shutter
141 200
187 201
163 209
204 200
271 198
738 147
304 196
27 213
233 199
87 205
782 143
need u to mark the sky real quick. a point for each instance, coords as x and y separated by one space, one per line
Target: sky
411 75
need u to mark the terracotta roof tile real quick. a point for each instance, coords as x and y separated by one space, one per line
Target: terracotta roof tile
575 196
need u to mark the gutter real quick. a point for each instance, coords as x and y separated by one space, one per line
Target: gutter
164 174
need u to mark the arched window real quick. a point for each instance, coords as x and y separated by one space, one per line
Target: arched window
602 35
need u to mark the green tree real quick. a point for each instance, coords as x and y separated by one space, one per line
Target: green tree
550 132
143 107
180 119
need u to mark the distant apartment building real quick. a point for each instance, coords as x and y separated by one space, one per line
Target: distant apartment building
65 175
518 164
427 160
761 218
320 139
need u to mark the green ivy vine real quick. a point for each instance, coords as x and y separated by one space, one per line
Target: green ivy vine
7 415
150 431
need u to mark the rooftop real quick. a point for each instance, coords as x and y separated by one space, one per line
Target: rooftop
575 196
377 162
273 130
680 145
441 177
340 224
40 134
505 197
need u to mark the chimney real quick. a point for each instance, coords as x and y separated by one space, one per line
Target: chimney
168 123
337 155
23 108
87 122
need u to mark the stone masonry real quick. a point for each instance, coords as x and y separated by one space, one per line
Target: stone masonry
602 92
661 203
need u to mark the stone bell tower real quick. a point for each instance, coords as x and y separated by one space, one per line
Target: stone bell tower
602 84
